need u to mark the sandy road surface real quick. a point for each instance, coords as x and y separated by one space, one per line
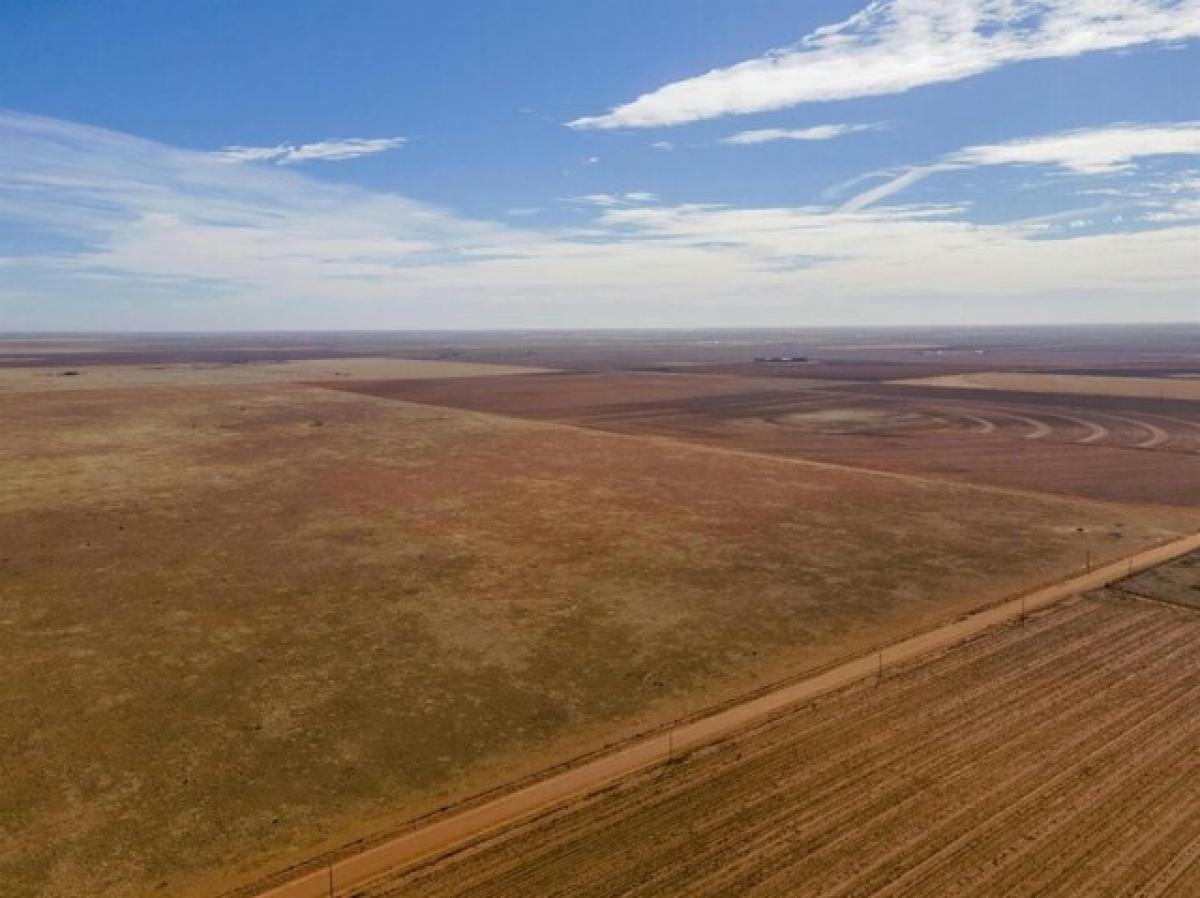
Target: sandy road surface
457 829
1054 759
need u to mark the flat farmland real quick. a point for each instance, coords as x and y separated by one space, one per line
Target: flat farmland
1186 388
245 625
66 376
1052 759
1118 449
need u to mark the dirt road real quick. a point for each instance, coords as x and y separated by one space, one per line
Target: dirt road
470 824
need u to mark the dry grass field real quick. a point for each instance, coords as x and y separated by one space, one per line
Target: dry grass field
1053 759
245 624
93 377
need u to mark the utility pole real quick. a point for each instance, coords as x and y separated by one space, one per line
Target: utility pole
1087 548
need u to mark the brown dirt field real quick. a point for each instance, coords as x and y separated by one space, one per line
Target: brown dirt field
1054 759
243 625
1088 446
93 377
844 369
1069 384
579 397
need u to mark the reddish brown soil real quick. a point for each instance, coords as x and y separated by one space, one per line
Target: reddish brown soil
1116 449
1054 759
844 369
581 396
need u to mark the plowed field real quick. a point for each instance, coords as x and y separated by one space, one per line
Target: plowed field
1090 446
1055 759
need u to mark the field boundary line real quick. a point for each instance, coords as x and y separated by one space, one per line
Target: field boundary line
506 809
1143 597
768 457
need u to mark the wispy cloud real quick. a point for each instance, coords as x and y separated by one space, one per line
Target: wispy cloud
108 203
892 186
115 231
816 132
1094 151
896 45
324 150
609 200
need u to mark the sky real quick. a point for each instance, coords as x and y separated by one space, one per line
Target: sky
260 164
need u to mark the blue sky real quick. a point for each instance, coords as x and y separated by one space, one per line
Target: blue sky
549 164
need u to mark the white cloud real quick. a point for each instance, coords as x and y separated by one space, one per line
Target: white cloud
609 200
817 132
1184 209
665 145
894 185
1090 152
325 150
116 232
1095 151
896 45
121 205
1174 200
